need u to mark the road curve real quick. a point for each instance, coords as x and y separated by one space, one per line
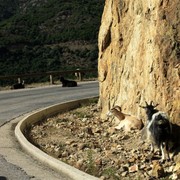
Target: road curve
15 103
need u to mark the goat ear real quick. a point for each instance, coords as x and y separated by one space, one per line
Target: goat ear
151 103
156 105
142 106
117 107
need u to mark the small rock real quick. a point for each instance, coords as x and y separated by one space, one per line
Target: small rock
98 150
64 154
98 162
171 168
97 130
105 134
74 144
81 135
120 148
177 167
102 178
146 174
143 166
111 131
113 149
84 119
123 169
174 176
68 142
149 158
79 164
157 170
81 146
133 168
132 160
125 137
89 131
124 174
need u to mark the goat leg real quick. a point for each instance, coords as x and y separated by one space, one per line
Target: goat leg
164 152
152 148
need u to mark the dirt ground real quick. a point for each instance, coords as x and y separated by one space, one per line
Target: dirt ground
81 139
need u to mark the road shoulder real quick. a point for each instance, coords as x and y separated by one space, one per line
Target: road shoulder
25 166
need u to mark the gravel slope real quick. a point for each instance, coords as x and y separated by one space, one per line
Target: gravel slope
83 140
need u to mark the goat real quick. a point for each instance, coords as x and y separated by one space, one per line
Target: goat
158 129
127 122
18 85
67 83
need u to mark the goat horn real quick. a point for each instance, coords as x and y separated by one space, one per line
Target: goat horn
151 103
142 106
146 103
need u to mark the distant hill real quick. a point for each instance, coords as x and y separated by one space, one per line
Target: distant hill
47 35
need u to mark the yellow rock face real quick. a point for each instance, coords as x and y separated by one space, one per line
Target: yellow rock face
139 56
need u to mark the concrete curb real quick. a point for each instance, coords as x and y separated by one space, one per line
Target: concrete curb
40 155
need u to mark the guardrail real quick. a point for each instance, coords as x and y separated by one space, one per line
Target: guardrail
78 73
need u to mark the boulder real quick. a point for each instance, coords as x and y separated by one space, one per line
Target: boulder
139 56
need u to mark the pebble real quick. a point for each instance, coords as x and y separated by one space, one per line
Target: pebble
125 173
79 164
157 170
98 161
174 176
102 178
84 119
64 154
177 167
133 168
81 146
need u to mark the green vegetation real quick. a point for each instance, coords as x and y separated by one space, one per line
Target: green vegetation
48 35
91 166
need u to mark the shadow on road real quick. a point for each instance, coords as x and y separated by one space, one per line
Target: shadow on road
3 178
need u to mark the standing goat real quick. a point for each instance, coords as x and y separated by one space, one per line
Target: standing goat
158 129
127 122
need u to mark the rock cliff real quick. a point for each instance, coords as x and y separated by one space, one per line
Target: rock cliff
139 56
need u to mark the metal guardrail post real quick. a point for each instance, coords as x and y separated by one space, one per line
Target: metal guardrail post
51 79
80 76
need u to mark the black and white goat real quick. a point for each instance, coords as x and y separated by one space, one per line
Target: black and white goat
67 83
158 129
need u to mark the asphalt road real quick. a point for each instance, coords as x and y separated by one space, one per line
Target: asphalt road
14 163
17 102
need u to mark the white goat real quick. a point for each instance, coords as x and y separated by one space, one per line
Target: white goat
127 122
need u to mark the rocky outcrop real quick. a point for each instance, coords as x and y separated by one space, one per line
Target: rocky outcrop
139 56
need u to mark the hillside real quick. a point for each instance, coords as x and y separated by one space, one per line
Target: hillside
47 35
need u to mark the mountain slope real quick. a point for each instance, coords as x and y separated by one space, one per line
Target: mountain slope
45 35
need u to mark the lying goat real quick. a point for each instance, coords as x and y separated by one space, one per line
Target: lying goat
67 83
18 85
127 122
158 129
